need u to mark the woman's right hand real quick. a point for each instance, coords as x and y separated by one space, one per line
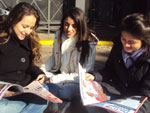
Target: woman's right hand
11 93
89 76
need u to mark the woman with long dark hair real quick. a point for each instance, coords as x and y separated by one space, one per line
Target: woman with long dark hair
127 70
74 43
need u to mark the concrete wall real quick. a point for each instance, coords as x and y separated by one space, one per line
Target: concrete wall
80 4
84 5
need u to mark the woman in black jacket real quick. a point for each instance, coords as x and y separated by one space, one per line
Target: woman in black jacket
19 51
127 70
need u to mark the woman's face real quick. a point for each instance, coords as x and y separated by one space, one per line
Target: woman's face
25 26
130 42
70 28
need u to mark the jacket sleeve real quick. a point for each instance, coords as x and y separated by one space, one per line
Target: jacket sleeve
106 73
145 87
34 71
65 78
91 59
48 65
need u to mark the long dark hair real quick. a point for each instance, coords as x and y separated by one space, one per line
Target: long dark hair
82 44
138 25
16 15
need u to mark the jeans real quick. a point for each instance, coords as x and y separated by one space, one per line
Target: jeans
68 91
34 104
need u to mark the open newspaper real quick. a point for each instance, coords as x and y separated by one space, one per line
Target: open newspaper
34 87
92 94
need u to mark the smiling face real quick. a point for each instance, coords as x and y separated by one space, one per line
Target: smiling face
130 42
70 28
25 26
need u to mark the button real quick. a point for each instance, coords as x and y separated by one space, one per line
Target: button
23 59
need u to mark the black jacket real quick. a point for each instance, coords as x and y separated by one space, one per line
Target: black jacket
132 81
16 62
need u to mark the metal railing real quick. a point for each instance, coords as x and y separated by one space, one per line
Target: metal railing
50 11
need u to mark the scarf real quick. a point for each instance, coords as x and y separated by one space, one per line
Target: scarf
129 58
69 54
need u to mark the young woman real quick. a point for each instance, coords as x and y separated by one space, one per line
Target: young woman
19 51
73 43
127 70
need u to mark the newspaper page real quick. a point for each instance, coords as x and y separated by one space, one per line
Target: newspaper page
91 91
34 87
125 105
92 94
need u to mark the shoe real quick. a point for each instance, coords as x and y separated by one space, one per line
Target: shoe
63 107
52 108
57 107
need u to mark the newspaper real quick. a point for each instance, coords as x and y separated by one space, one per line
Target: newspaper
34 87
125 105
92 94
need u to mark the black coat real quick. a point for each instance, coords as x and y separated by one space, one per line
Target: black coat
16 62
132 81
119 82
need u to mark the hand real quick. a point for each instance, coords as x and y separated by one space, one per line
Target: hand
89 76
11 93
41 78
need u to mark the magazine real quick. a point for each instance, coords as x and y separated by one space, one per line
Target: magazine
92 94
34 87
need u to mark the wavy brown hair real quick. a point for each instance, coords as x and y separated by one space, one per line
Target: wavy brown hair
16 14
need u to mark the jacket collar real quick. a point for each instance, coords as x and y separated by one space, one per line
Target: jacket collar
23 43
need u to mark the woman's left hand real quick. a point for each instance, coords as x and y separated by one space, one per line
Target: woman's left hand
41 78
89 76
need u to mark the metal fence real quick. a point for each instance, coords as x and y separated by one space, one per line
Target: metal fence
50 11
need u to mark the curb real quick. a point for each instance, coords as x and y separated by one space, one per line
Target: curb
46 42
50 42
104 43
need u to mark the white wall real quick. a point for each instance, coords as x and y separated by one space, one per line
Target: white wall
80 4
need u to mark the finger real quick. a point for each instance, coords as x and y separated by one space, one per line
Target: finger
11 93
41 80
90 78
42 76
